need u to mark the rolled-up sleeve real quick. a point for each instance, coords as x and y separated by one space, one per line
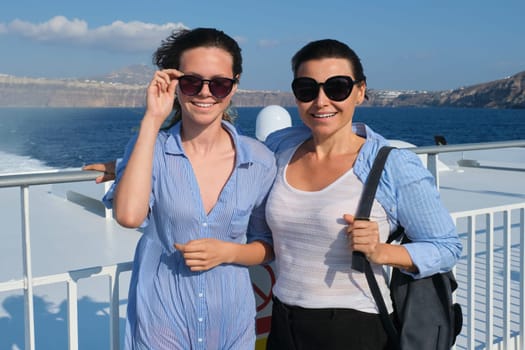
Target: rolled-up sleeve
110 194
435 245
258 229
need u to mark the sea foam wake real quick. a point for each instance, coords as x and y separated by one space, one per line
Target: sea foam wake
14 164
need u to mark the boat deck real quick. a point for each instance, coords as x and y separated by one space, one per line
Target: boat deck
496 181
69 231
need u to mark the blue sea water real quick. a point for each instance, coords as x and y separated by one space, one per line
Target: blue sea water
43 138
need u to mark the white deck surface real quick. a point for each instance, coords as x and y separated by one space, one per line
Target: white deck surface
63 238
499 180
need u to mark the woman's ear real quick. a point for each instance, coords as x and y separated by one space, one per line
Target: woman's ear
361 96
238 78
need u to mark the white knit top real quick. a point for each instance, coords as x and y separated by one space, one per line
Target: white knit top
313 259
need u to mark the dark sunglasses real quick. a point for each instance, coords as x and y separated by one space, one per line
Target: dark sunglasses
219 87
336 88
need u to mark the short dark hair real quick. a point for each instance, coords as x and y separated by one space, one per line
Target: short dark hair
328 48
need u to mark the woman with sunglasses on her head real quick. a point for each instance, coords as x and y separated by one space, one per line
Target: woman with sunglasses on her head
319 301
199 190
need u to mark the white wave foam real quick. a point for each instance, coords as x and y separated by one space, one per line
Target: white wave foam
15 164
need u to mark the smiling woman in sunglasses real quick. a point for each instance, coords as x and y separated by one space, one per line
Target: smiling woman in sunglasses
319 301
199 190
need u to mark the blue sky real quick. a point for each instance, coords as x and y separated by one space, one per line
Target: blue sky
404 45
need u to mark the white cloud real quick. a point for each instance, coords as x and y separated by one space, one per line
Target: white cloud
117 36
56 29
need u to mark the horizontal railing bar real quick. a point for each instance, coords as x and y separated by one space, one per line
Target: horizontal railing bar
74 275
466 147
62 176
482 211
44 178
11 285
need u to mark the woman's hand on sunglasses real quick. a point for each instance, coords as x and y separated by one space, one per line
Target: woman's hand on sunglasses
161 94
166 80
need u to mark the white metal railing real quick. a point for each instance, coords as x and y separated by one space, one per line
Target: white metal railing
71 278
433 152
492 237
494 242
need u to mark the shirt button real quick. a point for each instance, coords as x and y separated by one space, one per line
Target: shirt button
205 224
199 340
201 295
200 319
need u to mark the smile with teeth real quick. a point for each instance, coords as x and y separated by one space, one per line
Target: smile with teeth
203 105
323 115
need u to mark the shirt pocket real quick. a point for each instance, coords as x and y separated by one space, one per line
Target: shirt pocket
239 223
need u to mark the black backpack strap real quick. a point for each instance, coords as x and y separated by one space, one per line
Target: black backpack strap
367 199
370 189
359 261
397 234
387 322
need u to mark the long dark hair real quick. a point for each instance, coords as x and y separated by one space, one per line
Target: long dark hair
169 53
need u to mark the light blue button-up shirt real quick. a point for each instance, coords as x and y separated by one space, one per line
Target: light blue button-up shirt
406 191
169 306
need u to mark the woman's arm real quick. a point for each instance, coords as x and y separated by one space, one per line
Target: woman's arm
435 246
131 201
204 254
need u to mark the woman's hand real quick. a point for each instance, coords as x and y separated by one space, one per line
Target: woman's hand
363 237
204 254
107 168
161 94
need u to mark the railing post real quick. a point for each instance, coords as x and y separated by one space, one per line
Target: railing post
72 314
28 274
432 166
108 213
114 304
507 246
522 280
471 281
489 280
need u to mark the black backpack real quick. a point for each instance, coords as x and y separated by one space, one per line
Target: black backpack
425 316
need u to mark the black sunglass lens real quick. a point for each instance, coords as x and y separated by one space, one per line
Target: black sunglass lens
221 87
338 88
190 85
305 89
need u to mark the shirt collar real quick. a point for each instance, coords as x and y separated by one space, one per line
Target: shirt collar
174 143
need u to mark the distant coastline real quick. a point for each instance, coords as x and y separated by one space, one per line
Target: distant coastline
127 89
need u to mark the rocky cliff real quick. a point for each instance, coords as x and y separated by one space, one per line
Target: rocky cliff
504 93
32 92
126 88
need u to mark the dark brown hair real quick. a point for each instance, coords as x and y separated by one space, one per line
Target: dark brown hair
328 48
169 54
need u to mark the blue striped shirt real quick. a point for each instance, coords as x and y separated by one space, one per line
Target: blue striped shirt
169 306
406 191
